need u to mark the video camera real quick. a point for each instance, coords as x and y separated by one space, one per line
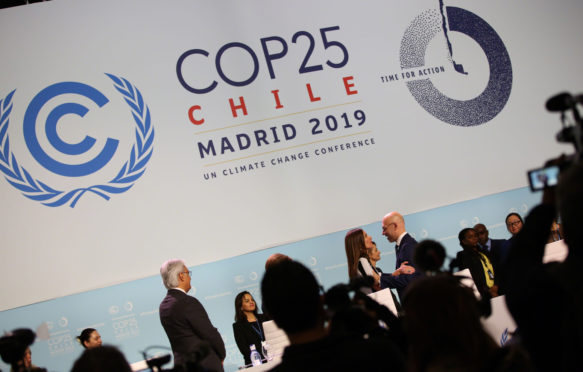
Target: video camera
191 362
571 132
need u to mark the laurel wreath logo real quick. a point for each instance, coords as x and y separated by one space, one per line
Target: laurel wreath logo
131 171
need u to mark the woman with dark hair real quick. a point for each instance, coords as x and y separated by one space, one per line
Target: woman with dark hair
556 232
374 256
477 262
89 338
15 350
357 244
248 327
359 255
514 223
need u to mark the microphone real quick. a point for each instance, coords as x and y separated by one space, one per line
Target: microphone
563 101
560 102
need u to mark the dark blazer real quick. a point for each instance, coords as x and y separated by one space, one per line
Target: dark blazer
496 255
505 248
245 335
469 259
404 253
496 252
189 328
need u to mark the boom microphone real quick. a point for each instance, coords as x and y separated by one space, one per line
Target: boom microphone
560 102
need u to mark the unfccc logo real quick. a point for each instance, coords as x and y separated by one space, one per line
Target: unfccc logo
40 191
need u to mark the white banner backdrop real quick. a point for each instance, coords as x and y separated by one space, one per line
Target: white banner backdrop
136 131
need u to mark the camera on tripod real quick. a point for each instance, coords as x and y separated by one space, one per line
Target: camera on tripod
571 132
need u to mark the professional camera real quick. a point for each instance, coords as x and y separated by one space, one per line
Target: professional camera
353 312
190 364
571 132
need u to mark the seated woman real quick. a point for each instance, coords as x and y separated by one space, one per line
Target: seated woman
477 262
248 327
89 338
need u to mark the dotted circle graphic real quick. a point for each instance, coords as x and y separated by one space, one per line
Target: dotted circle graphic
478 110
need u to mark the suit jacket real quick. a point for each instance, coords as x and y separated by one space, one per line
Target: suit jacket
496 254
190 330
404 253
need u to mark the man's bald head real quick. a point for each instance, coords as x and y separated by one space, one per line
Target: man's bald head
482 232
276 258
393 226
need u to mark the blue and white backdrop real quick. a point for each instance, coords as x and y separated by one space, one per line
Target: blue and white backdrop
220 132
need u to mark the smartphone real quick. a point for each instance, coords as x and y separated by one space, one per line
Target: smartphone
543 177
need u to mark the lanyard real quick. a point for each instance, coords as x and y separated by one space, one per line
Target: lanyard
258 330
487 266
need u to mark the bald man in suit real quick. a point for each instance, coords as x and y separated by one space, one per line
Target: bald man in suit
394 229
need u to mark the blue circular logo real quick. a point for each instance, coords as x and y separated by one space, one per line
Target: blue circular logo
40 191
477 110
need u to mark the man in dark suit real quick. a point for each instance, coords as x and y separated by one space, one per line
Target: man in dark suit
477 261
394 229
194 340
492 248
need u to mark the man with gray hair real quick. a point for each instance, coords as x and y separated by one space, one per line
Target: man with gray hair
194 340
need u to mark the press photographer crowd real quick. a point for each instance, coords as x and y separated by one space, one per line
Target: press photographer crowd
436 324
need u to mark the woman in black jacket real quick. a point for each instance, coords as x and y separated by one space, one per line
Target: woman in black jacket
478 262
248 327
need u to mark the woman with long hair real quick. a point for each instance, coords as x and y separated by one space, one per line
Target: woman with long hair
248 327
357 244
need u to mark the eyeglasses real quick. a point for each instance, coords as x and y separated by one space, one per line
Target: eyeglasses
515 223
189 272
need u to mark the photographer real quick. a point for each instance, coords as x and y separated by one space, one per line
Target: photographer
546 300
291 295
